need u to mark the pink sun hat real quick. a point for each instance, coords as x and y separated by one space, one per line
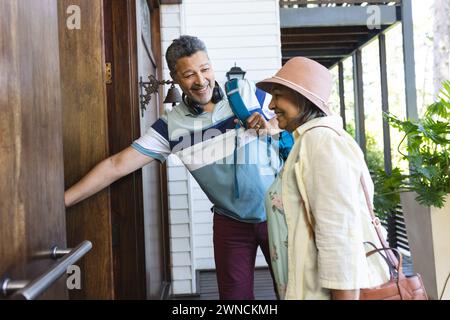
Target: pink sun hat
305 76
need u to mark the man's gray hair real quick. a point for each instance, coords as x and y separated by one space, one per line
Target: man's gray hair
184 46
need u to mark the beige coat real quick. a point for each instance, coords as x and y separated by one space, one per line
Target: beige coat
327 231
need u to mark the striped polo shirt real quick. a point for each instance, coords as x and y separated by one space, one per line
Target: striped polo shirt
233 166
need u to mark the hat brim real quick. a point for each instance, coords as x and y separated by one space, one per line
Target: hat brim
267 85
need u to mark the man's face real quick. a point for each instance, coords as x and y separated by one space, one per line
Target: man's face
195 76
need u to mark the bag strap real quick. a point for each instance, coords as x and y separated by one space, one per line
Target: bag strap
398 266
393 269
377 224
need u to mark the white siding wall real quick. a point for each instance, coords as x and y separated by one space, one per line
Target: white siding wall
180 215
243 32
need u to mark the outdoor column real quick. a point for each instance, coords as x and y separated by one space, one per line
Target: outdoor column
391 219
360 129
341 93
408 56
385 104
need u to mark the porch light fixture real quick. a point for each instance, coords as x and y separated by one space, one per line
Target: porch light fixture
152 86
235 73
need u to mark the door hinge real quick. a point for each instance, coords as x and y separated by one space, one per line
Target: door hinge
108 73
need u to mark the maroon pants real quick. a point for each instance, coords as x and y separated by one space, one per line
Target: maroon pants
235 248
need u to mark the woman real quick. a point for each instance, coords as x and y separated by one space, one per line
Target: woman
318 217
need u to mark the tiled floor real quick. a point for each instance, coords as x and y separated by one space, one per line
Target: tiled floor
263 287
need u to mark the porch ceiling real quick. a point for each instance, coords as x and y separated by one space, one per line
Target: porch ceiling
330 34
326 45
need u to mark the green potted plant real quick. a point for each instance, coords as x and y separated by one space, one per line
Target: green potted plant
386 185
386 191
424 191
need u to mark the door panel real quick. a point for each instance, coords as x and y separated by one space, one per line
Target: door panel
151 181
85 138
32 211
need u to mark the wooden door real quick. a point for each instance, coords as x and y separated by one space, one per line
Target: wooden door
32 214
85 140
101 117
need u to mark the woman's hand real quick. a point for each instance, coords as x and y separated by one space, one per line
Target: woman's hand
257 122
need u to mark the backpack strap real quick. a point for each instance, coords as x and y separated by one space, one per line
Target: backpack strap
241 112
236 102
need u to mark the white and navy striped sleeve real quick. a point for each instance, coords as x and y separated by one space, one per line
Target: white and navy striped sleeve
155 142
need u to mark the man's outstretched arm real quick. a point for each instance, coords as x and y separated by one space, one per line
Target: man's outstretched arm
105 173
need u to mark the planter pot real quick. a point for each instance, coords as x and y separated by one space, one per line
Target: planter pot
428 231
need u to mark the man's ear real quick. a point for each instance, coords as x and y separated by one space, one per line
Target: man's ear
173 75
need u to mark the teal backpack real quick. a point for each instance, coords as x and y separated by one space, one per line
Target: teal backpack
285 141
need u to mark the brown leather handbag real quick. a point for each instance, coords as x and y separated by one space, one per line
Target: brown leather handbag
399 287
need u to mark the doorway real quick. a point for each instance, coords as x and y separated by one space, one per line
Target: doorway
139 201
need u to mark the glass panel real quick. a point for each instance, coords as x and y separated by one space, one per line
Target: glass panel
373 106
396 87
334 103
145 23
349 96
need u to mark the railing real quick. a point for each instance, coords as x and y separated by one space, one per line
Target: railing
400 229
334 3
396 228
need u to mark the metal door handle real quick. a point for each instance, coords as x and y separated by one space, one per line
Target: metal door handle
30 290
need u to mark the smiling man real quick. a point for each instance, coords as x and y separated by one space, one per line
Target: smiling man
233 166
196 78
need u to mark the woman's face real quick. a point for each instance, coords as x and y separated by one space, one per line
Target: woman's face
286 105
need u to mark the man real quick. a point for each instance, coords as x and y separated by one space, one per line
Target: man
233 166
